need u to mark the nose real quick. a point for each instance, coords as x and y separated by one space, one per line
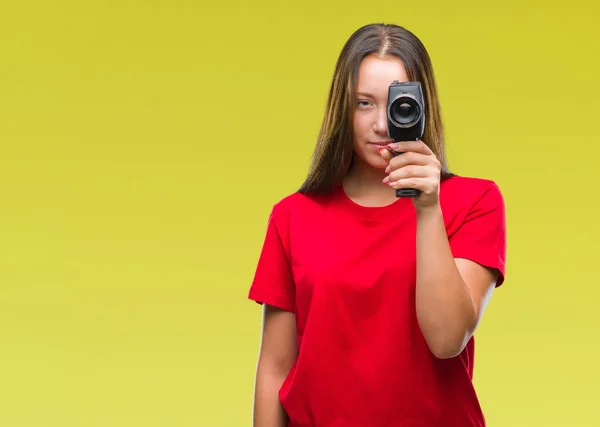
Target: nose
380 125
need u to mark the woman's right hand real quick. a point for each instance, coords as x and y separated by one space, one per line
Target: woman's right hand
278 352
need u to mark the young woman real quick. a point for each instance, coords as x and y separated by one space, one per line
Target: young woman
371 300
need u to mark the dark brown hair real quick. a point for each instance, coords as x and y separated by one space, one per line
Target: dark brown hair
333 154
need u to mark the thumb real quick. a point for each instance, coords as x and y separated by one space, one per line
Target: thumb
386 154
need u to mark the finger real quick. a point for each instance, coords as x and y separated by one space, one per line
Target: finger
386 154
408 183
410 171
410 158
417 146
425 185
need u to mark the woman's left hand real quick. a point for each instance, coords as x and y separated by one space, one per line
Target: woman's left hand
417 167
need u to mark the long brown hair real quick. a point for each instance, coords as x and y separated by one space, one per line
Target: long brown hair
333 154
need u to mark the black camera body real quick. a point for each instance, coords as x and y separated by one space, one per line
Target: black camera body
405 118
405 111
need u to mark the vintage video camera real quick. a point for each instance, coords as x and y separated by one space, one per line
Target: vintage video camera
405 118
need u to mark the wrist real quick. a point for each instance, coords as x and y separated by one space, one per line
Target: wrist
429 211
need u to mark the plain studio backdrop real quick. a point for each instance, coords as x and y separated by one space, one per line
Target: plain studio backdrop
143 143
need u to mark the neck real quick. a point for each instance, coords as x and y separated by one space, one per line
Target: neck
363 185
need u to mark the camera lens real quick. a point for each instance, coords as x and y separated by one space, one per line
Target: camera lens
405 111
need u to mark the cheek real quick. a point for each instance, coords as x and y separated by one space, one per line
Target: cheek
360 126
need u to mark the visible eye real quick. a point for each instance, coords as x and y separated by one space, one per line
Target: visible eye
362 103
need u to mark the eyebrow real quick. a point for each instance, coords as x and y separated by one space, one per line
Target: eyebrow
361 94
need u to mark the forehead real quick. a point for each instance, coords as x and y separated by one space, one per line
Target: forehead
376 73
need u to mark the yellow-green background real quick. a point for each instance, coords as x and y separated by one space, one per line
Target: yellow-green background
143 143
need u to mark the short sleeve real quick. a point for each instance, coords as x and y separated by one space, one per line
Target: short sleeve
481 237
273 281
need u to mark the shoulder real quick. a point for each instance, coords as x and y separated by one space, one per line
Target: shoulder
463 192
299 204
295 215
476 201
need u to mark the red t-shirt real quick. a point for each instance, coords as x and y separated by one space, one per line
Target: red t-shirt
348 273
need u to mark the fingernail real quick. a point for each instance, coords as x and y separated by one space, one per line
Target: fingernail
380 150
386 179
387 170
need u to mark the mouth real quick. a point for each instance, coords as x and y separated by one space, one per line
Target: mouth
380 144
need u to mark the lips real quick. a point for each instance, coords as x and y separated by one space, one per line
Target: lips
382 144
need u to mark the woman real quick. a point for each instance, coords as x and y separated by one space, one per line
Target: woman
371 300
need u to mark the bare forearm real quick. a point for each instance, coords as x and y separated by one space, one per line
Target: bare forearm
445 308
268 411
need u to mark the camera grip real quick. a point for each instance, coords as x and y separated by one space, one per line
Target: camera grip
406 192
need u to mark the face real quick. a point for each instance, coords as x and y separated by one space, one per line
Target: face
370 119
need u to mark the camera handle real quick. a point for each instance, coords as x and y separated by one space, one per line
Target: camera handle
406 192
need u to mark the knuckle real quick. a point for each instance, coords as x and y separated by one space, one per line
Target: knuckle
412 170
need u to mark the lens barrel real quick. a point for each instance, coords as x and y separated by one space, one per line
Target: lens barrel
405 111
